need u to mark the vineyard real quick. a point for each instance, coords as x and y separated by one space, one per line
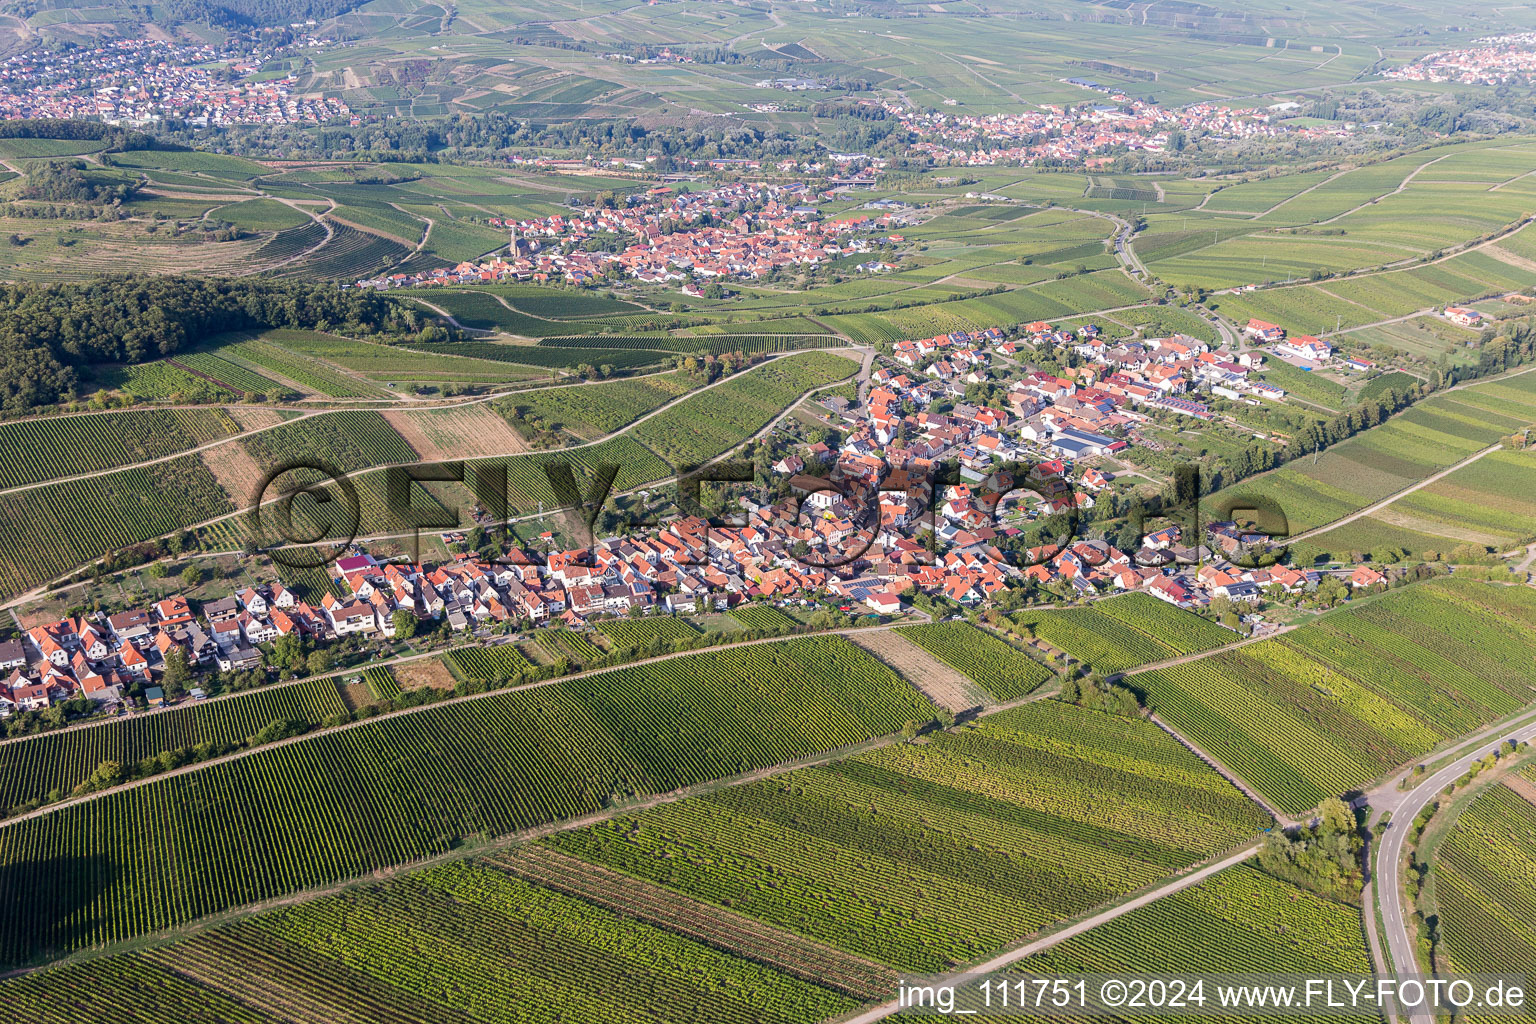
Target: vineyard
563 643
307 373
161 380
381 683
1335 704
349 439
223 372
1125 632
1237 921
996 666
390 791
591 410
1485 882
454 943
57 762
764 617
43 449
487 664
714 421
921 856
644 633
49 530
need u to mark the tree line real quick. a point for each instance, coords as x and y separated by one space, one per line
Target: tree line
50 334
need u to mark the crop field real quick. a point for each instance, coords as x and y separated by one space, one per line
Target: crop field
644 633
992 663
161 380
381 683
99 515
563 643
1434 434
591 410
714 421
924 855
1240 920
1485 881
1125 632
310 374
223 372
59 761
343 803
763 616
348 439
43 449
1346 699
487 664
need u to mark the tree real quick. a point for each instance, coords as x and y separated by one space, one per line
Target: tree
177 673
319 662
404 623
191 576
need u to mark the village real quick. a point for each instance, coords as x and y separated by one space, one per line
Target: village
1086 133
731 231
141 82
858 525
1497 60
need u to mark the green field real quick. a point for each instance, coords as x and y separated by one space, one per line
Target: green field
1335 704
991 662
1485 883
389 792
1125 632
923 856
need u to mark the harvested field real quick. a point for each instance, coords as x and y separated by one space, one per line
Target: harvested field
413 675
235 470
943 685
469 431
254 417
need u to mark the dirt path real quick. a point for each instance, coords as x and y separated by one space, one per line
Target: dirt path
1005 960
1220 769
1389 499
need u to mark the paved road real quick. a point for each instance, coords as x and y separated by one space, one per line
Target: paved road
1396 915
998 963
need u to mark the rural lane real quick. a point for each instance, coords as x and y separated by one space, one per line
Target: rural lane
1005 960
1395 914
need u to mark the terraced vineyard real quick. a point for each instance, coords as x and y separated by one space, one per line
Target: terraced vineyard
1124 632
1485 882
390 791
44 449
921 856
57 762
996 666
1335 704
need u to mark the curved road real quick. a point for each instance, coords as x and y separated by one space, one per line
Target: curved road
1389 854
